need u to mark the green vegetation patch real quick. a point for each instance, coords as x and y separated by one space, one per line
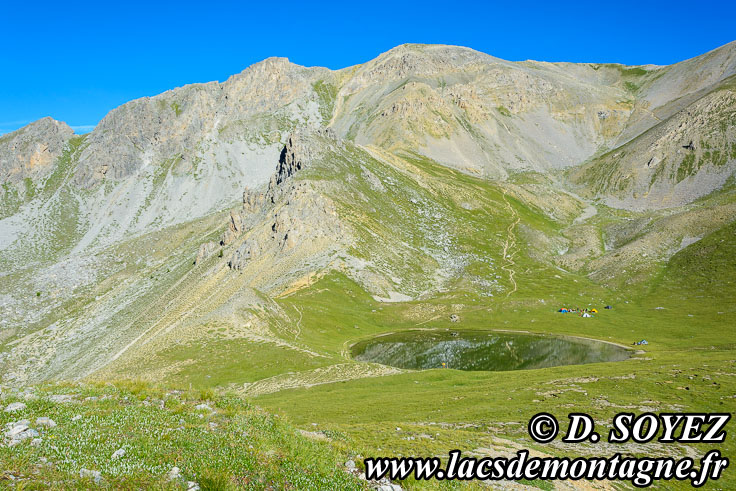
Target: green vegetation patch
504 111
326 97
219 443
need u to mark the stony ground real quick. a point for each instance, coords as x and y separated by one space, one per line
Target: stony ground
134 436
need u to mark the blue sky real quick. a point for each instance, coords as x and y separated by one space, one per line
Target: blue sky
75 61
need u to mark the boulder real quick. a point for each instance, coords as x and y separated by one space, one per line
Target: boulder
61 398
15 406
95 475
44 421
16 430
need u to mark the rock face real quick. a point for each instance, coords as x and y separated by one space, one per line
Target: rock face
155 129
205 251
252 201
678 161
234 229
299 150
469 110
32 151
129 175
249 250
296 212
297 153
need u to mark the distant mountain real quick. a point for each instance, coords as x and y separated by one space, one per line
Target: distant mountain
431 172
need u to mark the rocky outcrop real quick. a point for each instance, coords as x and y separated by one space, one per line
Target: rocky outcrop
307 216
31 151
296 153
250 249
234 229
252 201
301 147
302 217
296 212
301 213
683 158
205 251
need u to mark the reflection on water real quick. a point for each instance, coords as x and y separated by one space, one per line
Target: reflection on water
483 350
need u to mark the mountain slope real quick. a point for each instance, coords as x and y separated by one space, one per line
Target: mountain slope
478 113
687 156
365 197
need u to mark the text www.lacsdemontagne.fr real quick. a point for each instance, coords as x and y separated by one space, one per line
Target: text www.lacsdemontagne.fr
640 472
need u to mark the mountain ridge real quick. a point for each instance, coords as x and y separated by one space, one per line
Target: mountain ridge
404 174
253 79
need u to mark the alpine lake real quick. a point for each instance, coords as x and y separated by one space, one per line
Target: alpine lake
474 350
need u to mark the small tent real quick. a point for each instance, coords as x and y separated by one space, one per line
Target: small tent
585 314
594 311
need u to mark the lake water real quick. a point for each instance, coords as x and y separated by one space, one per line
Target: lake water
483 350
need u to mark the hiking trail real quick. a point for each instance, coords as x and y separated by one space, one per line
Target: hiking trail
298 323
509 244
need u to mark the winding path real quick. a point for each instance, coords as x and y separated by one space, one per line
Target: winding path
298 323
510 243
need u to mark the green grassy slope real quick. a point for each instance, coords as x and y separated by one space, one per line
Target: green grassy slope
225 444
687 366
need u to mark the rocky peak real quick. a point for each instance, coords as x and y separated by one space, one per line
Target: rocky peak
293 156
299 150
270 64
296 214
416 60
276 80
31 150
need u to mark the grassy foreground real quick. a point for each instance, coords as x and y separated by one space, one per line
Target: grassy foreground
216 442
